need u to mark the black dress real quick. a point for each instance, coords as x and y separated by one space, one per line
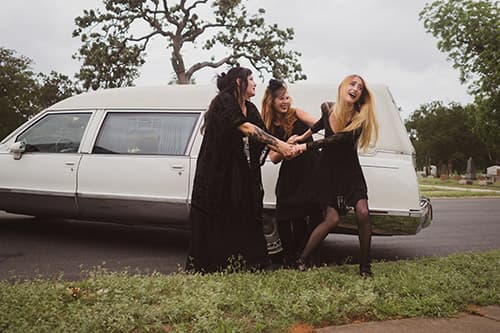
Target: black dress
296 212
340 178
226 203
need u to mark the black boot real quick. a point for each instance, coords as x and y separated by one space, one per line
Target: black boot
365 271
301 264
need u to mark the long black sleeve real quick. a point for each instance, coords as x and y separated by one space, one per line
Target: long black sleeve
335 138
320 124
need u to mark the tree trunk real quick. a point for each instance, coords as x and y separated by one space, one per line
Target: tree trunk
178 63
182 78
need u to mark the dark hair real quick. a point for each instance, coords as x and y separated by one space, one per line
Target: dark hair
275 85
274 89
227 82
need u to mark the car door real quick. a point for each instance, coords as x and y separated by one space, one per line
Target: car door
138 170
42 180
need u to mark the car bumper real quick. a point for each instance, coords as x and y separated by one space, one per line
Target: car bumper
391 222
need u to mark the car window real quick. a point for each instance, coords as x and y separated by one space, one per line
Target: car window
155 133
56 133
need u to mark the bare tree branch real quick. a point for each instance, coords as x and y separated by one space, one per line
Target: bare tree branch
242 34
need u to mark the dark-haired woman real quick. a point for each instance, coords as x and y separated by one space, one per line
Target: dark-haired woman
226 203
296 213
349 124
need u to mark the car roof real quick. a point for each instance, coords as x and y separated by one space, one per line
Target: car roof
392 134
169 96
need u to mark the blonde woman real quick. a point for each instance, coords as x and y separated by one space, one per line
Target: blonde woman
349 124
296 214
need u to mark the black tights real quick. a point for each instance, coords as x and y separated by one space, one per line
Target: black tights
332 219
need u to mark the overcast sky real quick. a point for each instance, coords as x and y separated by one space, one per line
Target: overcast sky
382 40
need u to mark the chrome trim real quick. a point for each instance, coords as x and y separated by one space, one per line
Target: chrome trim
131 197
379 166
426 205
37 192
194 109
94 196
375 151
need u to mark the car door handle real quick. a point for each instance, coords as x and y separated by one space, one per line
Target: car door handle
69 163
177 167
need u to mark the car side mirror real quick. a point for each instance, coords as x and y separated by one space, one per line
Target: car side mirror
17 149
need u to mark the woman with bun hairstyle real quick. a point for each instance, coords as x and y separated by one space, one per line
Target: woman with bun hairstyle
226 201
349 124
296 214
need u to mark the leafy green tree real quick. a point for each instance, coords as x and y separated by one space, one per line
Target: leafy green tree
54 87
443 135
24 93
469 32
108 63
18 86
123 30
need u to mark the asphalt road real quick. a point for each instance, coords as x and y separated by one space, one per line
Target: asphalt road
32 248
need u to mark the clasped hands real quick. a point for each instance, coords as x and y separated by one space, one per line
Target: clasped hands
294 147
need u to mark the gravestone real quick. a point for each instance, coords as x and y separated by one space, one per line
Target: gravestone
471 169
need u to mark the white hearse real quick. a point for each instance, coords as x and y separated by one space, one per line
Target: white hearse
128 155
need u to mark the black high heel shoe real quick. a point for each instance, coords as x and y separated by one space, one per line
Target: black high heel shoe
301 264
366 271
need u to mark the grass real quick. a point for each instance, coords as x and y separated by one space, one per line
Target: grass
454 183
429 188
433 192
251 302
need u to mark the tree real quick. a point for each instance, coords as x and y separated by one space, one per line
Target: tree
469 32
108 64
24 93
443 135
54 87
17 88
125 28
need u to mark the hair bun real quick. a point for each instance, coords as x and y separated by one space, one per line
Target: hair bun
275 85
222 81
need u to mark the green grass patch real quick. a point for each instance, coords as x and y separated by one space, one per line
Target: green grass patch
454 183
433 188
251 302
433 192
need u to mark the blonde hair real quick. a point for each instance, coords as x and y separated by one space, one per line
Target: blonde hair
364 118
269 113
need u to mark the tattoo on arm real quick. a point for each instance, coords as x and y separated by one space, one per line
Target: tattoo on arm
264 137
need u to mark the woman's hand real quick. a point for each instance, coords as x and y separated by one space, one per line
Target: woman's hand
294 150
300 138
293 139
287 150
301 148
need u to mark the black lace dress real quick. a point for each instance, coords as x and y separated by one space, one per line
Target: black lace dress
296 212
339 178
226 206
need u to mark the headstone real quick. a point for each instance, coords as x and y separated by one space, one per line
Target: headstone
471 169
493 171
